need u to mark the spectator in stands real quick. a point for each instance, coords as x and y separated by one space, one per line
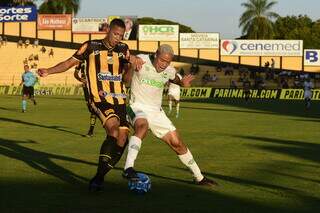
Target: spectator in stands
219 68
205 78
284 83
36 57
26 43
228 70
233 84
35 43
20 43
131 29
51 53
43 50
194 69
214 78
246 89
30 58
25 61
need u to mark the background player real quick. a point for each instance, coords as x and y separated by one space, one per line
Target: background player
28 81
174 95
307 86
79 74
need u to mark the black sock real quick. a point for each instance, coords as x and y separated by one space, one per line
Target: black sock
104 165
93 118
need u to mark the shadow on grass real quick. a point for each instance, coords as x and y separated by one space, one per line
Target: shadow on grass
300 149
58 128
41 161
164 197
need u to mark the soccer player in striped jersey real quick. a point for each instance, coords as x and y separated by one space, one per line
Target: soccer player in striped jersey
108 62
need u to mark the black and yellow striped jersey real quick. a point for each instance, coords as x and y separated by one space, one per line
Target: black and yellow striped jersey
104 69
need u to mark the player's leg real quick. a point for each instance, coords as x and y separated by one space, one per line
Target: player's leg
177 102
140 129
24 98
93 119
170 104
173 139
112 117
31 95
138 120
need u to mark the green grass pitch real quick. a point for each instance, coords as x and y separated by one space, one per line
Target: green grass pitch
265 155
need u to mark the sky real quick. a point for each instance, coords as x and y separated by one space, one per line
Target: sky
220 16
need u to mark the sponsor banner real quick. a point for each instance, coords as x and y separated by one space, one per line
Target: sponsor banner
89 25
311 57
158 32
199 40
43 90
54 21
18 14
239 93
298 94
261 47
131 23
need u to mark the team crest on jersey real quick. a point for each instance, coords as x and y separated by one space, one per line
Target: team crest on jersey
110 60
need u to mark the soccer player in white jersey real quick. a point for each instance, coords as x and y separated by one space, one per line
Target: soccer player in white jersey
145 111
307 86
174 95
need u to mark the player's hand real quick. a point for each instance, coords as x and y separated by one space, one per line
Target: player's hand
139 63
83 80
186 80
43 72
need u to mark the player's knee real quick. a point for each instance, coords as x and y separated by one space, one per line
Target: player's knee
178 146
112 130
141 128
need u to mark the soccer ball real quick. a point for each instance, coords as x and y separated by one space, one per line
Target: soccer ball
141 186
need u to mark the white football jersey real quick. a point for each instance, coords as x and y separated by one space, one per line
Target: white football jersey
147 84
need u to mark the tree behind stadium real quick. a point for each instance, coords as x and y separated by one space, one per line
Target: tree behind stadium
149 20
256 21
12 3
59 7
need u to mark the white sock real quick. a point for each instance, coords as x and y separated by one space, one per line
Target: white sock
170 105
178 108
187 159
133 150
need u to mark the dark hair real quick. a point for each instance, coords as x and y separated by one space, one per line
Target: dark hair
117 22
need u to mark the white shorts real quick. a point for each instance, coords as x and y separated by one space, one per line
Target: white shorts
175 94
307 94
158 122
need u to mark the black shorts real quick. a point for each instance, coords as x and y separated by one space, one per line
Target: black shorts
28 91
106 111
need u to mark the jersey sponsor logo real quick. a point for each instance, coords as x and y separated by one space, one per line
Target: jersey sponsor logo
107 76
153 83
114 95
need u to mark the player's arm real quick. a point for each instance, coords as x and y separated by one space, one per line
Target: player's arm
67 64
185 81
76 74
59 68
